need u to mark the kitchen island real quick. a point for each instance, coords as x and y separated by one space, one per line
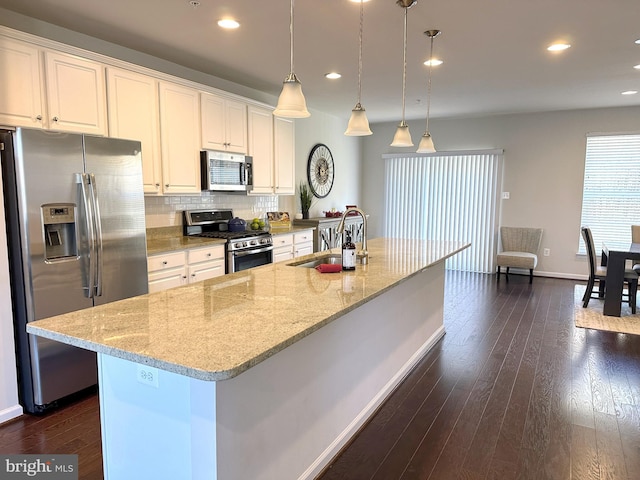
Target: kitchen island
262 374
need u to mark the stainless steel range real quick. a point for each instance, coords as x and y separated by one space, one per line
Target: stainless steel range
245 249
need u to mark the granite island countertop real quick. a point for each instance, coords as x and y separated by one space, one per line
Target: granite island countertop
216 329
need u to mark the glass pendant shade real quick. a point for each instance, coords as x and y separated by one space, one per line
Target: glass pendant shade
291 103
402 138
358 123
426 144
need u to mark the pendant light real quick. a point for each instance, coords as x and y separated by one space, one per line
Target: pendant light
358 123
291 103
402 138
426 142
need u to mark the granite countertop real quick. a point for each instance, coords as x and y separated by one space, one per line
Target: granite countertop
216 329
171 239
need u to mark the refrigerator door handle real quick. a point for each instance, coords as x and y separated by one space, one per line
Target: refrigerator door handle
83 180
98 229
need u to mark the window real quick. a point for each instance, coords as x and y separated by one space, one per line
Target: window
446 196
611 192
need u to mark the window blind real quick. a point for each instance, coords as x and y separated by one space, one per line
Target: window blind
611 191
452 196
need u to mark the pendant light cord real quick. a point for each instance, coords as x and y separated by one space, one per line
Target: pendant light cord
291 34
404 60
360 52
429 83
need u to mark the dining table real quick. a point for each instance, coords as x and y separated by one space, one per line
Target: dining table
615 258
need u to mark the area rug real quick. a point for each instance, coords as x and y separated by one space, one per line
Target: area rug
592 317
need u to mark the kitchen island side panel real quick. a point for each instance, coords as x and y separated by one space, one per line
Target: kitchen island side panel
162 429
288 416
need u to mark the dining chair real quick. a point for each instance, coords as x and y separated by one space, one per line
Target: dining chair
635 238
599 273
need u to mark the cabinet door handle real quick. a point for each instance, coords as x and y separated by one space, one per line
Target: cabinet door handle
209 254
158 185
55 119
39 118
166 185
164 262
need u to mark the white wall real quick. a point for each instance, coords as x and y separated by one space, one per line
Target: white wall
9 407
543 171
327 129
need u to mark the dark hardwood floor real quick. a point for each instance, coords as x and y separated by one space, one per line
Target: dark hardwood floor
513 391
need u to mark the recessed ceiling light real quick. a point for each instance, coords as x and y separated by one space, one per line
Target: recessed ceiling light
637 67
630 92
359 1
434 62
332 75
638 41
558 47
228 23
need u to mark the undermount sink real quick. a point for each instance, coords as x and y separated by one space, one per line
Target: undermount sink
334 258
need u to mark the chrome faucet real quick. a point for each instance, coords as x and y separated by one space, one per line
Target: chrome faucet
362 254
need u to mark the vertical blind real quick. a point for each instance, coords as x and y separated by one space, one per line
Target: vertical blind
611 191
446 196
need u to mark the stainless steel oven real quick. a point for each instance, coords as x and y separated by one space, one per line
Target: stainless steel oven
238 260
246 249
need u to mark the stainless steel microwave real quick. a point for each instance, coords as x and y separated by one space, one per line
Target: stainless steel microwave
226 172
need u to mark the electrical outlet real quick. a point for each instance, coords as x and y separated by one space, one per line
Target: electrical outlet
546 252
147 375
505 195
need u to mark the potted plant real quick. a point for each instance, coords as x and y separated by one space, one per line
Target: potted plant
306 198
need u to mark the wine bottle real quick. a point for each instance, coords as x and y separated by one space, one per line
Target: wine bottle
348 254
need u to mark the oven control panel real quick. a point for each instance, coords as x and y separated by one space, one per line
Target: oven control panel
249 243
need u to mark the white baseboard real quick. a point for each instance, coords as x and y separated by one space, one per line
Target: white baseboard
10 413
343 438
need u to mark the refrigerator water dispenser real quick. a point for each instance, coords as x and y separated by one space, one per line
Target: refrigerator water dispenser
59 231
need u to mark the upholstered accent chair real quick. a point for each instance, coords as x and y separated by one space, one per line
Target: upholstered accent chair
520 247
599 273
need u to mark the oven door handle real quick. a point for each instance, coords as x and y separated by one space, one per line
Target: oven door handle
244 253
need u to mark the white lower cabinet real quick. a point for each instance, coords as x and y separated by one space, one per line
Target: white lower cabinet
302 243
205 263
292 245
282 247
174 269
167 270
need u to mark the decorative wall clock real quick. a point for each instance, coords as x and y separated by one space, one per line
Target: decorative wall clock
320 170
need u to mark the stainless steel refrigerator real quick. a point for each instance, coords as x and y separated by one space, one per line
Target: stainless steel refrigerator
76 233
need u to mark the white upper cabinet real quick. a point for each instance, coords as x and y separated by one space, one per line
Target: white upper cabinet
22 101
284 158
180 138
76 94
272 146
261 148
224 124
132 100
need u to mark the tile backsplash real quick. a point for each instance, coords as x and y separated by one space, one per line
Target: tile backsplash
167 211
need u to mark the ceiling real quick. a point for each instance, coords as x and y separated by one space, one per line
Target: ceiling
494 51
